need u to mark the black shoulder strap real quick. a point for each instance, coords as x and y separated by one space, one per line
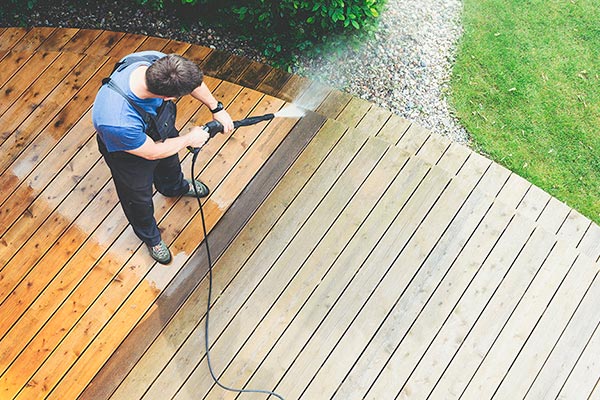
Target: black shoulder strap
145 115
121 65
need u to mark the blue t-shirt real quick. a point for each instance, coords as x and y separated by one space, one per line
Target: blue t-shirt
119 125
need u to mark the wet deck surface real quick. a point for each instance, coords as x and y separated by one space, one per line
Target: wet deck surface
357 255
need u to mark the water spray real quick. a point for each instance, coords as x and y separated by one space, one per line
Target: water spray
214 127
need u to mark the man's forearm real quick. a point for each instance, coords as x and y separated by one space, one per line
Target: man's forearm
203 94
156 150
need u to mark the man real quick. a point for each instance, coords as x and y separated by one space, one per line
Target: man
137 156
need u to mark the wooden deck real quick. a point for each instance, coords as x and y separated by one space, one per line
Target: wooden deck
358 255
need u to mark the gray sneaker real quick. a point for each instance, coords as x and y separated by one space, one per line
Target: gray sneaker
202 189
160 253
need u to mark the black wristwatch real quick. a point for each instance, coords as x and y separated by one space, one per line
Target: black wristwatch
218 108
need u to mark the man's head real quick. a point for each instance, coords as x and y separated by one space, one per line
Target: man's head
173 76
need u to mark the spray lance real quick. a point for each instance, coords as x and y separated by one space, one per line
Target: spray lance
213 127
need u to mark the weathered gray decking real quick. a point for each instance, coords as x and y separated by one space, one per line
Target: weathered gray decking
358 255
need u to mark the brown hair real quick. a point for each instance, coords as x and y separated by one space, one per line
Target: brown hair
173 76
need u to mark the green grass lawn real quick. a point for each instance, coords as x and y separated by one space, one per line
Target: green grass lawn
526 85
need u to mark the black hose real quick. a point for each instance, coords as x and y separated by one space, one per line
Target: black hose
210 284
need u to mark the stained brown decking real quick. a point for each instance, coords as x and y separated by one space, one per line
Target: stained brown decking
358 255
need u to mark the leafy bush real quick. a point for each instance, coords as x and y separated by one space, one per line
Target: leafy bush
283 27
300 25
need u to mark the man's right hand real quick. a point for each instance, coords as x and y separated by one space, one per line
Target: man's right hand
197 137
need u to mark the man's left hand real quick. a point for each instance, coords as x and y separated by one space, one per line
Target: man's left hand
225 119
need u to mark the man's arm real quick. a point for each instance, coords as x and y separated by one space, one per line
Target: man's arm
152 150
203 94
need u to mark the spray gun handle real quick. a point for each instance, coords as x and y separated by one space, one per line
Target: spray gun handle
213 127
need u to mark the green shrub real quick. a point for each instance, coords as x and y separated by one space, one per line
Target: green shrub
283 27
300 25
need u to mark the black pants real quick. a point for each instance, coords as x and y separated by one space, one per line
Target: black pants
133 177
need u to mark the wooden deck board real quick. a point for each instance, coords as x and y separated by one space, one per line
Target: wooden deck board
590 243
356 253
574 227
334 103
553 215
81 41
45 221
233 68
518 380
419 377
10 63
42 112
374 120
504 241
394 129
291 269
10 37
33 39
20 84
273 82
58 39
384 301
354 112
413 262
279 272
293 305
104 43
584 376
312 96
427 265
340 273
356 317
582 310
254 74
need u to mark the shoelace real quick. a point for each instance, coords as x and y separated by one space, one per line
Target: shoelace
159 249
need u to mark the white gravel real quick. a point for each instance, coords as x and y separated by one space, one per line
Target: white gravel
405 68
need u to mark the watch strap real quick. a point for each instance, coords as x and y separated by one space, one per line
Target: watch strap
218 108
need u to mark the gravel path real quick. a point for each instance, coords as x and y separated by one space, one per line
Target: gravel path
404 68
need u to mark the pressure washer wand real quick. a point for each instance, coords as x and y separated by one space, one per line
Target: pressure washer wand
213 127
252 120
